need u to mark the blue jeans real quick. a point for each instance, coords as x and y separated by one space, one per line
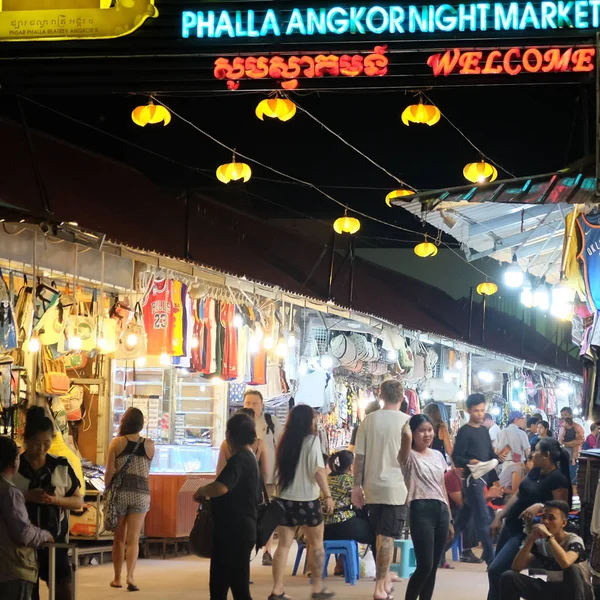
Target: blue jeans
509 542
476 509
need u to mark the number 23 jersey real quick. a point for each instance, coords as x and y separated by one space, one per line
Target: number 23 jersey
157 307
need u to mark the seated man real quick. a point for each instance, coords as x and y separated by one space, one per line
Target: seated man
559 553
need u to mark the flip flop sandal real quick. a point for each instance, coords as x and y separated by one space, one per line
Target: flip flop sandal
112 585
132 588
281 596
323 595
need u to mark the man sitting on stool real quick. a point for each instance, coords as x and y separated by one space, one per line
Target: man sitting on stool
559 553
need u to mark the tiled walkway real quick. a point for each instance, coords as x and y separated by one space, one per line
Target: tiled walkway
187 579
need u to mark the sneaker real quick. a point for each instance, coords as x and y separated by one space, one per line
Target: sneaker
481 468
468 557
267 560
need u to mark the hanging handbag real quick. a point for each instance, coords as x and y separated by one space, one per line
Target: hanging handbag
8 330
72 401
132 343
109 506
201 535
54 380
270 514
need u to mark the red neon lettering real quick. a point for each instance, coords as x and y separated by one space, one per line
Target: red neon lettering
582 60
469 62
489 69
444 63
506 62
288 70
537 55
557 61
512 62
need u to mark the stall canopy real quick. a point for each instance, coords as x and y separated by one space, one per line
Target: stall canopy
524 216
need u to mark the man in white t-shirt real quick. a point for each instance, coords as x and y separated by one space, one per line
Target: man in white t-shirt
378 479
268 430
490 423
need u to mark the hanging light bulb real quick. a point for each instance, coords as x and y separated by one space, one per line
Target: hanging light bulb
563 297
291 341
460 395
34 344
541 297
527 294
259 331
268 343
495 411
522 396
392 355
515 404
458 365
140 362
253 344
282 348
513 274
516 384
238 321
447 376
425 395
102 344
165 359
303 368
131 340
195 342
75 343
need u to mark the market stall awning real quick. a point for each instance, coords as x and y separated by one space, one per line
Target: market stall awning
522 216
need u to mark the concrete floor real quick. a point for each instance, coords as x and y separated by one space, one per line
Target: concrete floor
187 579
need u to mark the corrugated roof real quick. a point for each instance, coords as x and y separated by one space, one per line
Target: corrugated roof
522 216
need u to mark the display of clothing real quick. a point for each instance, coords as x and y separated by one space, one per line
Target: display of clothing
157 309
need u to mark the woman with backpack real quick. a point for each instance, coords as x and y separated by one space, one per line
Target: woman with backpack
51 488
267 430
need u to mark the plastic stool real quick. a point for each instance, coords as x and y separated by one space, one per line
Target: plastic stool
301 548
349 550
408 561
457 548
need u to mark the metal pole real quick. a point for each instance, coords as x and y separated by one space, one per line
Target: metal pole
470 315
331 265
351 292
483 306
523 334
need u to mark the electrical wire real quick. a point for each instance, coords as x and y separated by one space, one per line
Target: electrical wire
339 137
204 171
483 154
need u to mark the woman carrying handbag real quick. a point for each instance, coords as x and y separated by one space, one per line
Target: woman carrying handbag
234 499
128 493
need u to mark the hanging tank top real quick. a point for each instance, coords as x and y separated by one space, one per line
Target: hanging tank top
589 228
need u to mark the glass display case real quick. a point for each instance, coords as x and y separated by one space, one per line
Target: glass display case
180 408
185 459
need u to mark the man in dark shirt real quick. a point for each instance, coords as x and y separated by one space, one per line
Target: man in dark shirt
473 445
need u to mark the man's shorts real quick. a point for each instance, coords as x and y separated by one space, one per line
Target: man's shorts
387 519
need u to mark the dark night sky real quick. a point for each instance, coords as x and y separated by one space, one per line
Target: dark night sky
527 129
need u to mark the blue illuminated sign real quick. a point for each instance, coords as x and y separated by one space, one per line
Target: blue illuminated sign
394 20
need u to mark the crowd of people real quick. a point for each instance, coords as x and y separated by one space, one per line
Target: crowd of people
490 486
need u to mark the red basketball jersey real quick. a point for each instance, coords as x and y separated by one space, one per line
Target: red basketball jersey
157 307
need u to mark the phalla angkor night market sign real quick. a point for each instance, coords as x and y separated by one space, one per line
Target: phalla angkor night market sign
393 20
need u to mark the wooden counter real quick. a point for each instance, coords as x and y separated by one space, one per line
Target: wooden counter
172 514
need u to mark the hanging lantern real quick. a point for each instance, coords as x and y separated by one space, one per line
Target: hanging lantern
426 249
487 289
346 224
421 113
276 108
480 172
397 194
234 171
150 113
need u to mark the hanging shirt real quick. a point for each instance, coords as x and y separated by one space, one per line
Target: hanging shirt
157 308
178 318
589 257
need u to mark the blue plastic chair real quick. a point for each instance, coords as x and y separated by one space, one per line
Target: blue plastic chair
348 549
457 548
301 548
408 561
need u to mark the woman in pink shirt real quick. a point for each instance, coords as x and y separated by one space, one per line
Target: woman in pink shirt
430 523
